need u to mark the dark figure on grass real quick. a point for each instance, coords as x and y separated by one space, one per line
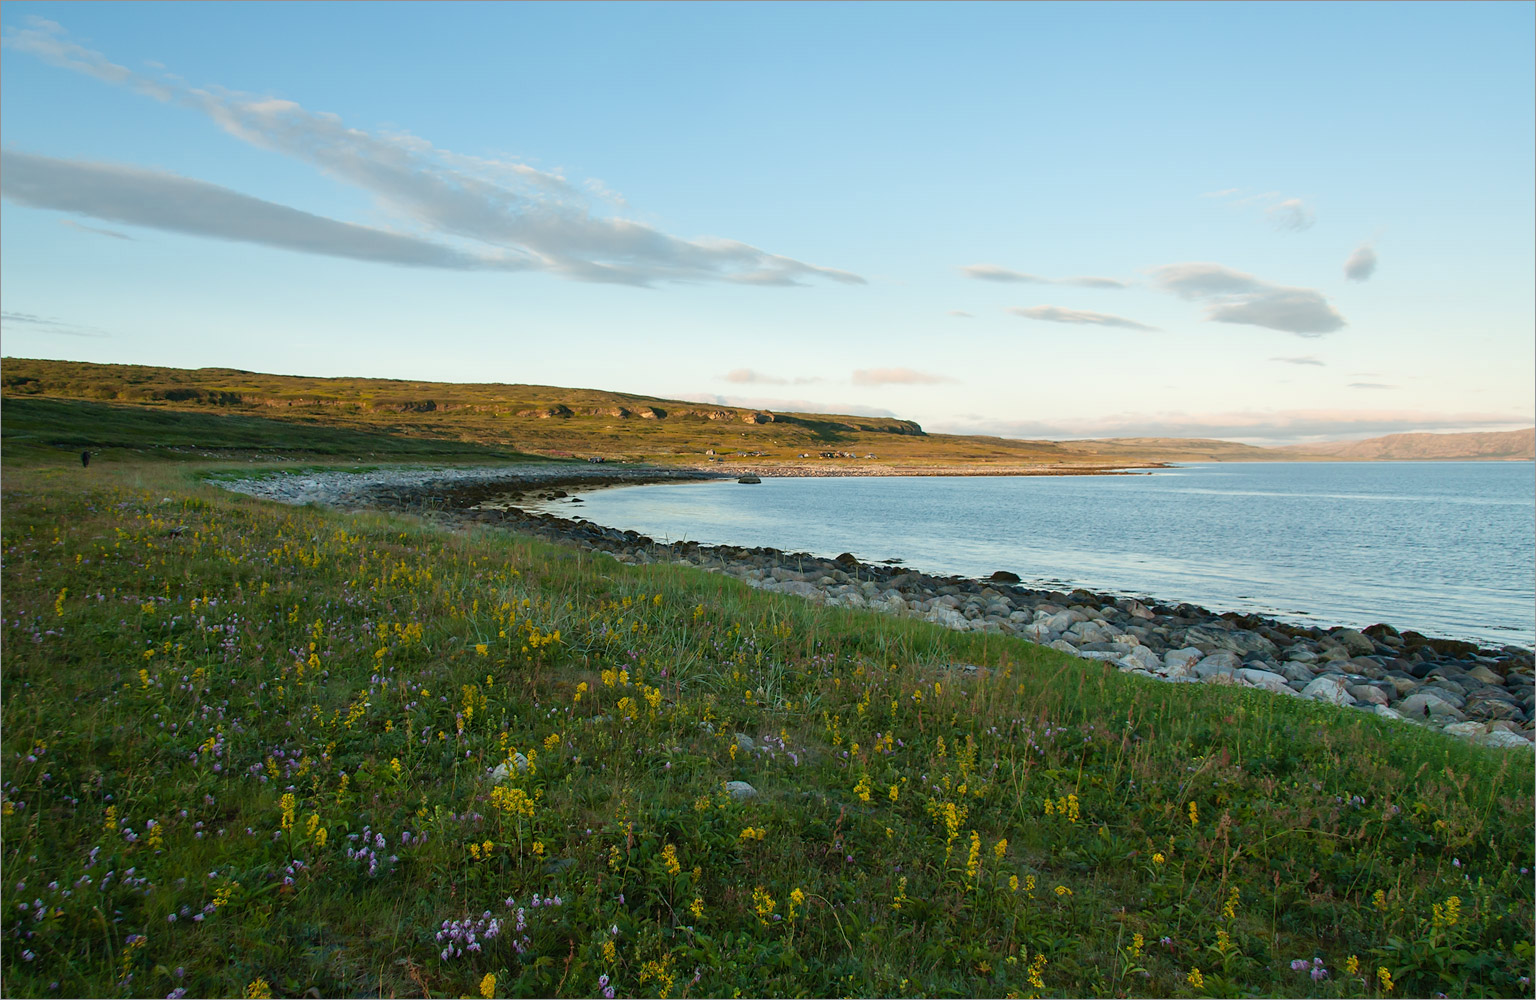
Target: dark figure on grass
85 459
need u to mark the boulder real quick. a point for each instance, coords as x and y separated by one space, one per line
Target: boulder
1218 663
740 790
1355 643
1331 689
1141 658
1268 680
1369 693
1500 738
1003 576
1182 660
1429 704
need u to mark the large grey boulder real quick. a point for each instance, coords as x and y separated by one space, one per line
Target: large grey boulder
1333 690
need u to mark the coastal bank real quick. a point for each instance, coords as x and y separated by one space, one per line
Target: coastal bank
1478 693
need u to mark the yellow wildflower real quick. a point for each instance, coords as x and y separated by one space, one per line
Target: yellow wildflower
1385 978
763 904
697 908
259 989
669 860
1352 965
1195 979
1000 848
1194 820
488 986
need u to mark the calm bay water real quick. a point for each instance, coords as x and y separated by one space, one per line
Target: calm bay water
1447 548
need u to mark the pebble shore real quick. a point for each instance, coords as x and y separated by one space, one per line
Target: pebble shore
1477 693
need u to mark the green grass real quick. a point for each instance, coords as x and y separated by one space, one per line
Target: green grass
180 655
59 429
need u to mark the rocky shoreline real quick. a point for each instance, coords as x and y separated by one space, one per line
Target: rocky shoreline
1482 694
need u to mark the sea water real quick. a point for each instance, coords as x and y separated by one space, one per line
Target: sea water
1446 548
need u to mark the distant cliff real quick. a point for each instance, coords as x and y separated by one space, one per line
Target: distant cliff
1490 445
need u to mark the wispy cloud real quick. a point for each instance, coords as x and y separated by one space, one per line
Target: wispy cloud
991 272
71 223
44 324
1252 427
897 376
1287 214
530 219
160 200
959 314
1084 317
1371 385
786 405
1292 215
746 376
1307 360
1361 264
1237 297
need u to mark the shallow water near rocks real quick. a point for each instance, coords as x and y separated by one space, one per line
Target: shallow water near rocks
1446 548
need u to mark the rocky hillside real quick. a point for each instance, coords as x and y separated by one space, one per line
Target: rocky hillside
1489 445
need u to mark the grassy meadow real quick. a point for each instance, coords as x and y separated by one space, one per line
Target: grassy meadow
248 750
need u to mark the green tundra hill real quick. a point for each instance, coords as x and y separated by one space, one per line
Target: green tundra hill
561 422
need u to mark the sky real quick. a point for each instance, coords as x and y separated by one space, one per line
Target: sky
1266 223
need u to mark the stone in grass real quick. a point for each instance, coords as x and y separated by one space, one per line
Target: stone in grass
506 769
744 743
1333 690
740 790
1500 738
559 865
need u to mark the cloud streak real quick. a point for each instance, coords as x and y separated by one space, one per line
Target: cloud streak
1236 297
1081 317
508 210
747 376
1308 360
1361 264
71 223
991 272
897 376
43 324
786 405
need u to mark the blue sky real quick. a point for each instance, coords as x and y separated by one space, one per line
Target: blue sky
1261 222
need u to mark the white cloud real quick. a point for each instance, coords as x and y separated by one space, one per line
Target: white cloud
1361 264
1371 385
534 217
746 376
991 272
1057 314
959 314
897 376
1292 215
1236 297
1252 427
1307 360
166 201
